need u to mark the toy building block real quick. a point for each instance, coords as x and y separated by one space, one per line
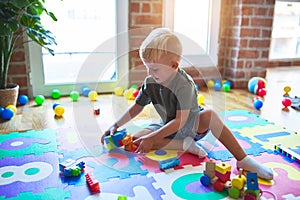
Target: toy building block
239 181
223 177
92 183
71 168
210 168
128 139
252 181
223 168
118 136
287 152
252 195
168 163
109 143
122 197
66 164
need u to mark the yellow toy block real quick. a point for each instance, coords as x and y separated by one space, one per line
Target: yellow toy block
239 181
223 168
127 139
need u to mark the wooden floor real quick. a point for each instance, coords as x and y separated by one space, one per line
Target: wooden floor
80 114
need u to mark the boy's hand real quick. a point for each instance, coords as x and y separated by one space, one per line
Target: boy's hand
144 144
110 131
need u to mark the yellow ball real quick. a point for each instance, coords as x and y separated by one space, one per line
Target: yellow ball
210 84
119 91
13 108
128 94
59 110
93 95
200 99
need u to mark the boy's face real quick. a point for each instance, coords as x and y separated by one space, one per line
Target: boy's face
162 71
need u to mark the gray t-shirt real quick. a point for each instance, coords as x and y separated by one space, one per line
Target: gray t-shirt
181 94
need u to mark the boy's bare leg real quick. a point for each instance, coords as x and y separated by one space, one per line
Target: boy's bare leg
208 119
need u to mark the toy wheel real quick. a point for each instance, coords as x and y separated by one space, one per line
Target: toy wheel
205 180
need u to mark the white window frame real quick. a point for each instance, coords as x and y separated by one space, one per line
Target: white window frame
210 58
37 74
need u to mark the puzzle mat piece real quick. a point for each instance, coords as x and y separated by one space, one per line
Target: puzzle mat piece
237 119
136 187
52 193
117 163
82 152
29 174
68 139
156 155
217 150
17 144
270 135
184 184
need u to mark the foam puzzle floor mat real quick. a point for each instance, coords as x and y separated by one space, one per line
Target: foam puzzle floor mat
29 165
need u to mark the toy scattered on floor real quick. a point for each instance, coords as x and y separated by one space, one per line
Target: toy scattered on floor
93 184
295 102
262 92
258 103
55 93
23 99
59 110
13 108
238 184
39 100
96 110
119 139
74 95
168 163
226 87
287 89
210 84
201 99
7 113
85 91
286 102
118 91
71 168
256 83
128 94
287 152
122 197
217 86
252 192
216 174
93 95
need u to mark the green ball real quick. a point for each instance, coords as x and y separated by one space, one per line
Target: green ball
226 87
74 95
55 93
134 86
39 100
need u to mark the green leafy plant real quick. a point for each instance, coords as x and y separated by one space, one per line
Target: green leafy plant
19 18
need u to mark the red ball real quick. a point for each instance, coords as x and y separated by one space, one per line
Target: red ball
135 93
286 102
262 92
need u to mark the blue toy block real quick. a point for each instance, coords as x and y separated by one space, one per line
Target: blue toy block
168 163
252 181
118 136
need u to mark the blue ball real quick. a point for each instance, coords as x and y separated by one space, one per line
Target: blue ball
8 113
54 105
23 99
1 111
217 86
86 91
258 104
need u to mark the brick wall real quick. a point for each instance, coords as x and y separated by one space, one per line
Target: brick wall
244 41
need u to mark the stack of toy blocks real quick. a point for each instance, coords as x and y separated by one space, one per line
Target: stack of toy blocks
92 183
238 184
223 171
118 139
71 168
252 192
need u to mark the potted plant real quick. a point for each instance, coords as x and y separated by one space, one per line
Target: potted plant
19 18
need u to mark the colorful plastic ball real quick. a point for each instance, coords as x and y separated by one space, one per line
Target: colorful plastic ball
23 99
210 84
135 87
228 83
39 100
93 95
74 95
286 102
200 99
197 87
262 92
55 93
54 105
256 98
13 108
258 104
7 114
135 93
226 87
128 94
86 91
59 110
217 86
256 83
119 91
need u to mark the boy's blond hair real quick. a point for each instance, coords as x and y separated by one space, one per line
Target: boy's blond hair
160 42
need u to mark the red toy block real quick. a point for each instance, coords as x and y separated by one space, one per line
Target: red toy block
223 177
92 183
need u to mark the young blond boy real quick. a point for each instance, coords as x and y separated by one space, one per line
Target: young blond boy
173 94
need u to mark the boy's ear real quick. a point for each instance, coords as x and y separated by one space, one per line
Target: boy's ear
175 64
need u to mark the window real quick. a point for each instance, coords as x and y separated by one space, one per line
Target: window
285 42
92 43
197 24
